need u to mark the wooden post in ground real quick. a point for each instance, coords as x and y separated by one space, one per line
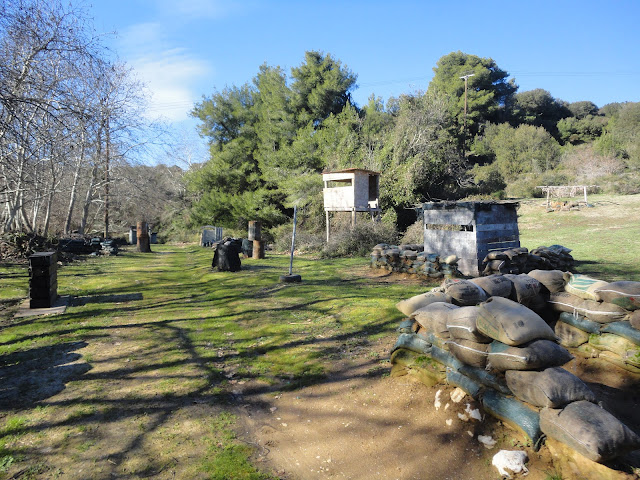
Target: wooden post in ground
328 224
548 193
255 235
142 231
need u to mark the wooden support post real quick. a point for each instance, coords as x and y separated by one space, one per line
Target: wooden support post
142 232
548 193
255 235
353 218
328 218
258 249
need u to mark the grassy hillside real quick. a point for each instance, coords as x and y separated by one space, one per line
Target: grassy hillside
603 239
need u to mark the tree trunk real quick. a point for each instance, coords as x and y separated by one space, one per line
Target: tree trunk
142 232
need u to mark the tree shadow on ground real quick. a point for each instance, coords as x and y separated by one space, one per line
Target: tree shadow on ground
29 376
115 298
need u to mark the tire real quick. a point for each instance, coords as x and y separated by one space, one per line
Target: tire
290 278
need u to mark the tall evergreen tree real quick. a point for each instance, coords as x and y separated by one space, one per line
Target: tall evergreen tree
488 93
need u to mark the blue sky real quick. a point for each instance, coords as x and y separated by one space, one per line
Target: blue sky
184 49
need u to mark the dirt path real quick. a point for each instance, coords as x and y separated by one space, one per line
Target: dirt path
361 423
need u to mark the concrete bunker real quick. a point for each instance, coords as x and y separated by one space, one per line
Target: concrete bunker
470 230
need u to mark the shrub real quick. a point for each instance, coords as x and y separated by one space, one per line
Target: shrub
414 234
308 240
625 184
525 187
359 240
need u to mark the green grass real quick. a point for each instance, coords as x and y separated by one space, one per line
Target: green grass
197 332
158 332
603 238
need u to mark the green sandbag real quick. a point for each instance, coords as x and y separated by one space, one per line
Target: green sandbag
590 430
621 362
405 326
624 329
486 378
583 286
445 358
515 413
534 355
413 342
511 323
580 322
614 343
625 294
419 366
465 383
570 336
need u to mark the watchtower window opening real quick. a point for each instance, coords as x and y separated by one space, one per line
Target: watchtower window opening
340 183
373 188
451 228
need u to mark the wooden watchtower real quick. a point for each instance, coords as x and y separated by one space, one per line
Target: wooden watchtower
351 190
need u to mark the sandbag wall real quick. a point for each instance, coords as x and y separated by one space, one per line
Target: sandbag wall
520 260
414 260
488 336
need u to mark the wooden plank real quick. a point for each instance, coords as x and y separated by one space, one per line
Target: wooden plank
497 227
449 217
489 237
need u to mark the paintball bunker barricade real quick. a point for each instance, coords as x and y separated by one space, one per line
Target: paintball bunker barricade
470 230
210 235
43 279
133 236
226 256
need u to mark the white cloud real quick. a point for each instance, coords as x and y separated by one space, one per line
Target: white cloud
170 73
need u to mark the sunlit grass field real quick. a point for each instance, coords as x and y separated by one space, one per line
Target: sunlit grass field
147 336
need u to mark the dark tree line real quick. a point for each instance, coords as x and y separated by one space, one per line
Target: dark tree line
271 138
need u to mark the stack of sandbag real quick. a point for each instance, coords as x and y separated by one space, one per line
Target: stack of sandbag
413 259
507 261
463 336
599 319
475 335
555 257
520 260
522 288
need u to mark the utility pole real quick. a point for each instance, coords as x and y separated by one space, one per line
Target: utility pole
464 131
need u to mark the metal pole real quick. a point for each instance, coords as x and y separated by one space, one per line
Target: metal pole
464 133
293 238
